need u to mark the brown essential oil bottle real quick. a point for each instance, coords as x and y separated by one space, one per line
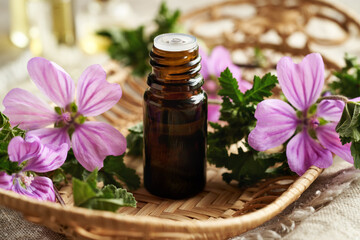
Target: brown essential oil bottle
175 119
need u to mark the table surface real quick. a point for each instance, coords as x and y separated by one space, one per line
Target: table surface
327 210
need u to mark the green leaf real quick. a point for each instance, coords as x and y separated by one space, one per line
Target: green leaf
349 124
230 87
112 204
135 140
166 21
348 83
261 88
131 47
91 179
6 134
109 198
355 152
349 129
116 166
114 171
73 167
237 111
82 191
8 166
4 120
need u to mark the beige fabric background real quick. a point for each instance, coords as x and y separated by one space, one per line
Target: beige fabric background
329 209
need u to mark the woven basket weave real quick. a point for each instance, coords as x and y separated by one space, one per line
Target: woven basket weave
155 218
221 210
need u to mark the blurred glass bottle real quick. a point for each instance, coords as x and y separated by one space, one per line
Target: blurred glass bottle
19 25
39 17
99 15
63 21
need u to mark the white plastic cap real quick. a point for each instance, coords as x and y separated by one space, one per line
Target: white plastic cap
175 42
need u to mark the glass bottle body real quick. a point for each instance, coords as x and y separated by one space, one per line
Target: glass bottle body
175 125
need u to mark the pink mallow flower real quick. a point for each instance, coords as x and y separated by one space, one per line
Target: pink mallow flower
33 156
91 141
313 124
211 68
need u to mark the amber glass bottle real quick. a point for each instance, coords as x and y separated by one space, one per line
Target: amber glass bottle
175 119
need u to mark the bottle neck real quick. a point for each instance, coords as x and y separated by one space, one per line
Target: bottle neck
175 71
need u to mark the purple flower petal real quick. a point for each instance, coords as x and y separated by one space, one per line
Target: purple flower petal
244 85
301 83
303 152
235 70
95 95
93 141
276 123
213 110
20 150
6 181
355 99
210 86
50 157
27 111
54 136
40 188
219 60
329 138
330 110
204 64
52 80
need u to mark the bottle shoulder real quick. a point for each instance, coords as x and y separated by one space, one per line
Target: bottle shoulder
193 98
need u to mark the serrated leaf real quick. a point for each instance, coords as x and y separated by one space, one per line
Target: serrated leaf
6 134
349 124
109 198
238 110
108 191
261 88
131 47
230 87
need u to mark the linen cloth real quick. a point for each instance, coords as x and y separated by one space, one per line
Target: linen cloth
328 209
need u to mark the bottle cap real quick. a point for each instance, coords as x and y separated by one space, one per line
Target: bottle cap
175 42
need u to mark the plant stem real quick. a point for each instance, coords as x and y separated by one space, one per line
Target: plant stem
214 101
334 97
58 197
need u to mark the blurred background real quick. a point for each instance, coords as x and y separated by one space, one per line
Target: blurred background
64 31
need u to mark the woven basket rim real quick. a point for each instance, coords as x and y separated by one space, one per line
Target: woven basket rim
328 3
31 207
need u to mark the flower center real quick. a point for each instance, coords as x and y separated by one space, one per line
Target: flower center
69 117
26 180
313 122
66 117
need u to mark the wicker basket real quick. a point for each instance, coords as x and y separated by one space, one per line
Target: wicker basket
157 218
221 210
